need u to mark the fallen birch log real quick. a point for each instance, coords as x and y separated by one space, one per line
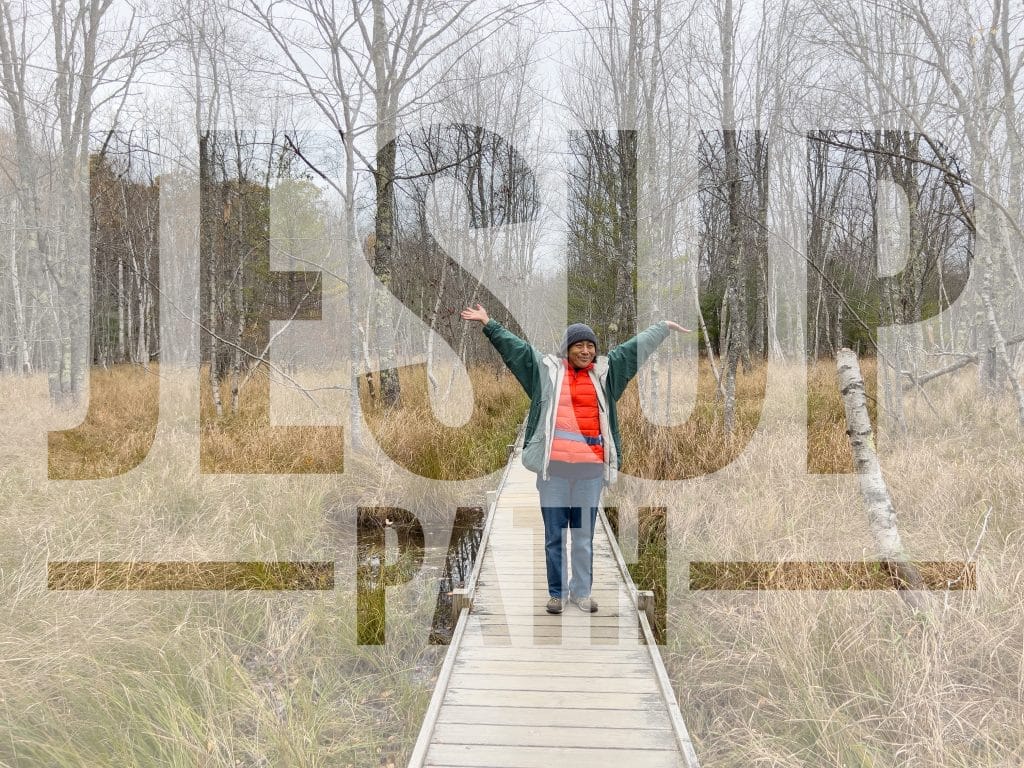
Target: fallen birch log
966 359
881 513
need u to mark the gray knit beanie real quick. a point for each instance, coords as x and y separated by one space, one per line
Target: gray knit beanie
577 332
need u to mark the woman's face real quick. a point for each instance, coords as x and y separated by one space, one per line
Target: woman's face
581 354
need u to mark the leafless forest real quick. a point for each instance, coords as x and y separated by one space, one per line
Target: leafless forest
297 197
791 177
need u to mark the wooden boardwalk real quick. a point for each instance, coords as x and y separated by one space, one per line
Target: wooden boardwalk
522 688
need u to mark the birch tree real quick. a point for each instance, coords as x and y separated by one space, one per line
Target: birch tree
366 69
60 62
966 83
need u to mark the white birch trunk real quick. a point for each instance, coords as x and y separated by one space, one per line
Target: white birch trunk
704 332
121 299
999 341
20 337
432 332
142 339
881 513
774 345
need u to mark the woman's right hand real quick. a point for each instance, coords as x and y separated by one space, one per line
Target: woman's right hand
479 314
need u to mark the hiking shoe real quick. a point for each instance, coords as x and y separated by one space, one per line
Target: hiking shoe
585 604
554 605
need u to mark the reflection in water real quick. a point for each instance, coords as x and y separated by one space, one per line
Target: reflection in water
467 533
374 574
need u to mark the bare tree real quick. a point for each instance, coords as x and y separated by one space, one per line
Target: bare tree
966 84
59 64
385 53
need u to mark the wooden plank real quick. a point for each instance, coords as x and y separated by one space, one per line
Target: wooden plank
542 636
584 719
560 700
536 579
491 682
524 560
528 688
513 548
609 626
514 551
523 638
524 614
570 617
528 640
525 594
535 586
545 736
532 606
536 607
521 542
537 666
555 630
528 564
602 573
491 636
524 591
440 692
621 655
537 596
545 757
583 624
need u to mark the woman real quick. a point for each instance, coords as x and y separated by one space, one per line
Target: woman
572 435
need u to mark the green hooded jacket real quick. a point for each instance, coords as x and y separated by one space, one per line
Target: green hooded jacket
541 377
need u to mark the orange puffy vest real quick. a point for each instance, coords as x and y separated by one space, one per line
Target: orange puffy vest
578 412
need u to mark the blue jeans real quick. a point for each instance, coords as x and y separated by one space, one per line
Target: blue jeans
573 504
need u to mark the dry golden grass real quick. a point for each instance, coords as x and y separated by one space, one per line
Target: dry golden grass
828 450
415 439
246 443
863 574
796 678
181 575
136 677
699 446
122 421
781 678
118 430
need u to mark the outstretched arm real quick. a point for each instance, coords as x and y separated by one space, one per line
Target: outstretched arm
626 359
519 356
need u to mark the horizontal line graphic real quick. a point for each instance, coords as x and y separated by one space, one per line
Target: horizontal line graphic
186 575
846 575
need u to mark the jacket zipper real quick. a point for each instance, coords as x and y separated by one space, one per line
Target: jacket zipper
550 436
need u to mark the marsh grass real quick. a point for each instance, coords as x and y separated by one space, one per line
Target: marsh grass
699 446
122 419
210 680
853 678
247 443
185 678
828 450
413 437
791 678
118 429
